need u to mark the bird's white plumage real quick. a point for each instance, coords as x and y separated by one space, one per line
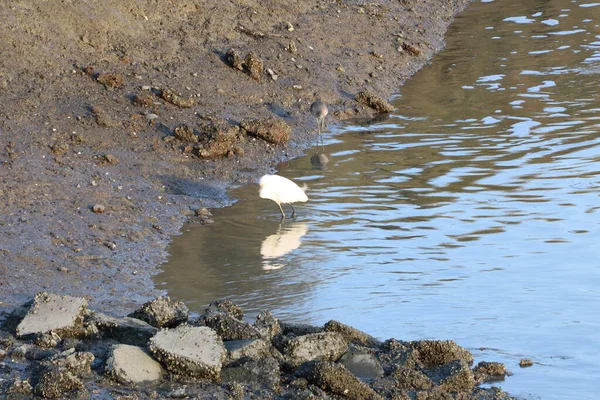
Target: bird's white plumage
281 190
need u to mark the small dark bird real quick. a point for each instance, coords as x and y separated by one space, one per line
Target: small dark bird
319 110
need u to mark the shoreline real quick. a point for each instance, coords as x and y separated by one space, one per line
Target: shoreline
87 122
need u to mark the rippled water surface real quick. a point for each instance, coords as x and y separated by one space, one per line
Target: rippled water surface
471 214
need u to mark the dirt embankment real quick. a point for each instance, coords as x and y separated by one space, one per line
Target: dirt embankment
92 94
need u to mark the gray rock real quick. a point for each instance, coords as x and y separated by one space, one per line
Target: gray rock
249 348
362 363
335 378
351 334
31 352
316 346
189 350
125 330
455 376
49 312
263 373
132 365
226 307
267 324
162 312
230 328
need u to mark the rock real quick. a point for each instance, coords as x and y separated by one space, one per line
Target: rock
525 362
455 376
111 80
125 330
192 351
61 375
253 349
411 379
186 134
170 96
131 365
328 346
410 49
435 353
267 324
59 148
218 139
375 102
489 372
143 100
108 159
162 312
230 328
352 335
273 130
234 59
299 329
263 373
98 208
335 378
49 312
254 65
291 47
395 353
31 352
48 340
102 118
362 363
19 386
226 307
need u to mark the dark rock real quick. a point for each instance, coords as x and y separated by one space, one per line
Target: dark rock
375 102
162 312
218 139
171 97
489 372
352 335
190 351
48 312
328 346
335 378
125 330
226 307
58 377
19 386
143 100
272 130
254 65
253 349
396 353
50 339
299 329
102 118
455 376
362 363
435 353
267 324
234 59
110 80
186 134
411 379
525 362
59 148
230 328
263 373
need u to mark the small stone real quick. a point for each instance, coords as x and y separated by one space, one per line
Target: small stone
151 117
98 208
525 362
110 245
170 96
234 59
254 65
111 80
291 47
289 26
297 87
62 269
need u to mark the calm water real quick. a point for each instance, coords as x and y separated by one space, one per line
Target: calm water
471 214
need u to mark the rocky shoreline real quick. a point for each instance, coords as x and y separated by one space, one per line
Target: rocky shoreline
54 346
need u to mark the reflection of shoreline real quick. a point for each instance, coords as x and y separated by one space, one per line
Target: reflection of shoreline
279 244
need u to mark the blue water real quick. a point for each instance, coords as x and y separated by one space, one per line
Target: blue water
471 214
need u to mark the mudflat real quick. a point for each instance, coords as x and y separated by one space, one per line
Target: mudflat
119 119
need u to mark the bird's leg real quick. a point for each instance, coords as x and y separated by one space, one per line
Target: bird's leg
282 213
293 210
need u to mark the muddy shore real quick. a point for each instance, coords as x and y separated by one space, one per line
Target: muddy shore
96 177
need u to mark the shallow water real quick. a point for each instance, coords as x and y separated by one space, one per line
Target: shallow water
471 214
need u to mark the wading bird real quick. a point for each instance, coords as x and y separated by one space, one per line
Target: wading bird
319 110
282 191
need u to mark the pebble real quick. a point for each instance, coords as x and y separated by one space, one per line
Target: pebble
151 117
297 87
525 362
146 88
98 208
289 25
110 245
62 269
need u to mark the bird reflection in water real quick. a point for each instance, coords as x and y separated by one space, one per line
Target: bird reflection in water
287 239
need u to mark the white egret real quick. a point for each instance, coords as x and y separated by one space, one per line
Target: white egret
282 191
